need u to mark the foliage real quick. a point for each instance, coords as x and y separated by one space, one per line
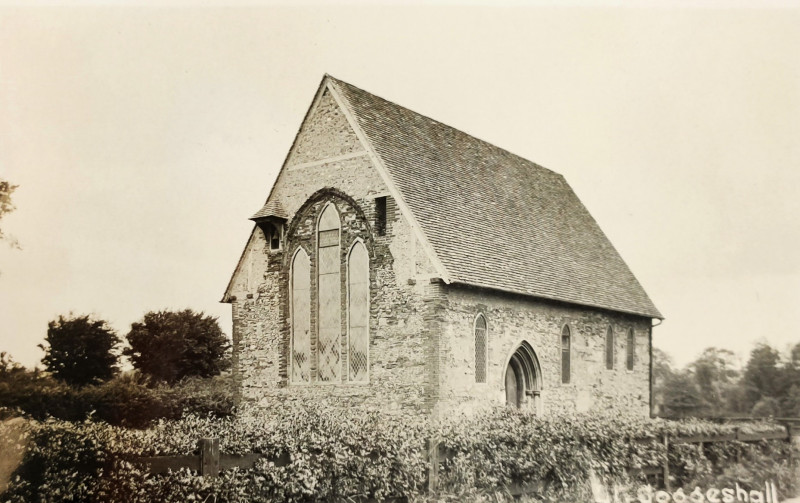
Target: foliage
713 386
715 374
6 206
171 345
662 365
790 404
762 374
8 366
348 454
766 407
125 400
80 350
488 452
63 463
332 454
681 396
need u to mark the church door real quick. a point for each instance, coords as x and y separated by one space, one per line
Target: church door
523 379
512 387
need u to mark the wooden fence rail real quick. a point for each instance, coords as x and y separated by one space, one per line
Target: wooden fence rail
210 460
208 463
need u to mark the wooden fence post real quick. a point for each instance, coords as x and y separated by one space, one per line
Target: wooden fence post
794 443
666 462
433 465
738 447
209 457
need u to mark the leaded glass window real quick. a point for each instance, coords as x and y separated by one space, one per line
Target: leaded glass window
358 304
565 354
329 291
481 348
630 350
301 318
610 348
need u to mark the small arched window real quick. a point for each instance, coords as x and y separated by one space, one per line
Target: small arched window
301 318
329 291
630 346
358 317
565 354
481 349
610 348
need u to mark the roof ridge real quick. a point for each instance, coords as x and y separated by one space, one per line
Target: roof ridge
440 123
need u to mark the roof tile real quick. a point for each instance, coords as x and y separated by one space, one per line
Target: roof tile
494 219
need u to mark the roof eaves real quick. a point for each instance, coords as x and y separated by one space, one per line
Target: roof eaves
656 314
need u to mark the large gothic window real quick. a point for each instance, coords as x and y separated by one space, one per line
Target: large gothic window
481 352
329 290
358 314
338 348
301 317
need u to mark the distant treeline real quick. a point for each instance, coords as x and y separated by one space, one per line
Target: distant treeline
714 385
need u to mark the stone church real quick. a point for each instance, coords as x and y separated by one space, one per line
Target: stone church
402 263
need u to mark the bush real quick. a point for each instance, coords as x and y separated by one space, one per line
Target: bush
125 400
333 453
64 462
489 452
198 396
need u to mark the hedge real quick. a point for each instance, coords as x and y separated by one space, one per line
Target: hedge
494 450
124 400
352 454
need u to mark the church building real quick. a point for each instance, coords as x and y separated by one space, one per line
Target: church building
401 263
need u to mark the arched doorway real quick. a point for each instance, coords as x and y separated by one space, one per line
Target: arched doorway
523 378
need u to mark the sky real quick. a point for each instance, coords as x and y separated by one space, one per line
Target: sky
143 136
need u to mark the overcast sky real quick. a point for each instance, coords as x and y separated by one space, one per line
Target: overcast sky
142 139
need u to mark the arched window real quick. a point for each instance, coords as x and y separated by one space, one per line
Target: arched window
610 348
358 314
329 292
565 354
481 349
630 350
301 317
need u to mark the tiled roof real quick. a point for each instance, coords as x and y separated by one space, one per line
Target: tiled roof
494 219
271 209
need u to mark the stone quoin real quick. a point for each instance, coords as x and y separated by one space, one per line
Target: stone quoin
402 263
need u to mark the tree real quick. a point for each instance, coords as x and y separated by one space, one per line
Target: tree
6 206
662 366
716 376
80 350
762 375
790 403
8 366
766 407
662 374
171 345
791 368
682 397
